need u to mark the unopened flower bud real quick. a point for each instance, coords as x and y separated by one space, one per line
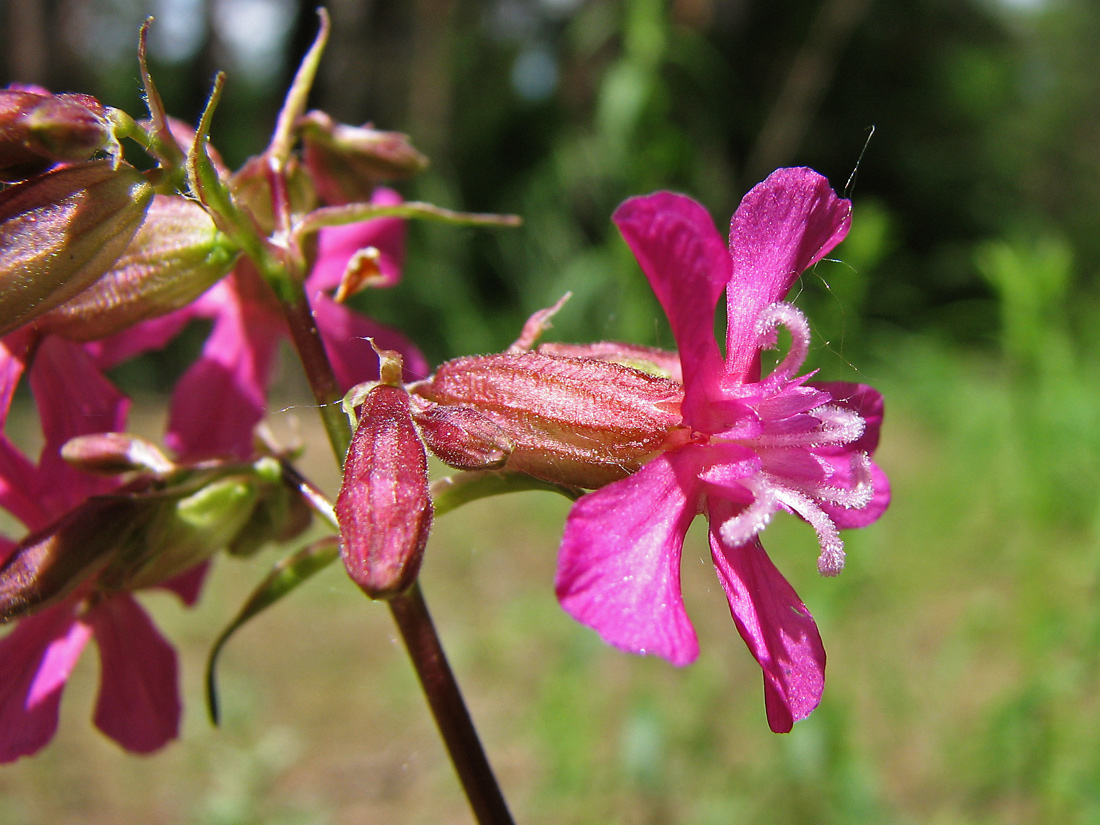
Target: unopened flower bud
348 162
111 454
61 231
574 421
49 564
384 509
463 438
176 255
181 527
38 130
149 531
251 186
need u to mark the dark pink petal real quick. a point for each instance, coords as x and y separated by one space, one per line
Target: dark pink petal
782 227
619 564
685 260
860 398
153 334
19 487
13 360
188 585
138 704
336 245
73 398
384 509
36 659
846 518
223 395
773 621
346 333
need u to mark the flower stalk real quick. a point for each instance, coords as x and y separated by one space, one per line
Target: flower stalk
410 612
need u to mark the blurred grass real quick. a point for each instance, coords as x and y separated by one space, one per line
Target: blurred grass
962 642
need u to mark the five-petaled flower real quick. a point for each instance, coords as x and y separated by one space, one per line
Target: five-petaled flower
758 445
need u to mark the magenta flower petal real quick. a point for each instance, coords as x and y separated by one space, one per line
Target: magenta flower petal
686 262
36 658
773 621
783 226
138 704
619 564
19 487
13 358
336 245
188 585
73 398
153 334
222 396
862 399
346 333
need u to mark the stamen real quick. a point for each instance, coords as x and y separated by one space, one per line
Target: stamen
747 524
831 560
861 492
789 316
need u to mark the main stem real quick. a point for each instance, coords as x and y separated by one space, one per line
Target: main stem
409 610
451 716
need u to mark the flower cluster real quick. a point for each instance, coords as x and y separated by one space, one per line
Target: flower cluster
100 262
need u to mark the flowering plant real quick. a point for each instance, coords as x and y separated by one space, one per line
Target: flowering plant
101 261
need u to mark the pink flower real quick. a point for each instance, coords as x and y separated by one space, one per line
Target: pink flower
138 704
758 445
223 395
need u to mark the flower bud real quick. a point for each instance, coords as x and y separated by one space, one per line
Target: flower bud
39 130
61 231
180 527
384 509
176 255
111 454
49 564
251 186
575 421
348 162
149 531
463 438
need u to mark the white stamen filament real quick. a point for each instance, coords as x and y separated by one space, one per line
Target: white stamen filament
831 560
747 524
789 316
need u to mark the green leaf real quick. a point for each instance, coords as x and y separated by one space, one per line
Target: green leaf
285 576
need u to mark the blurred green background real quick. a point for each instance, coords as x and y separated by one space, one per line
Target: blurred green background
963 636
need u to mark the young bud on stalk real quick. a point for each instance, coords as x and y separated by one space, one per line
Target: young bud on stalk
38 130
176 255
112 454
149 531
575 421
348 162
384 509
49 564
61 231
462 437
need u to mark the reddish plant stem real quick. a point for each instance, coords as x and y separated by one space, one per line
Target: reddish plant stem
451 716
409 610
